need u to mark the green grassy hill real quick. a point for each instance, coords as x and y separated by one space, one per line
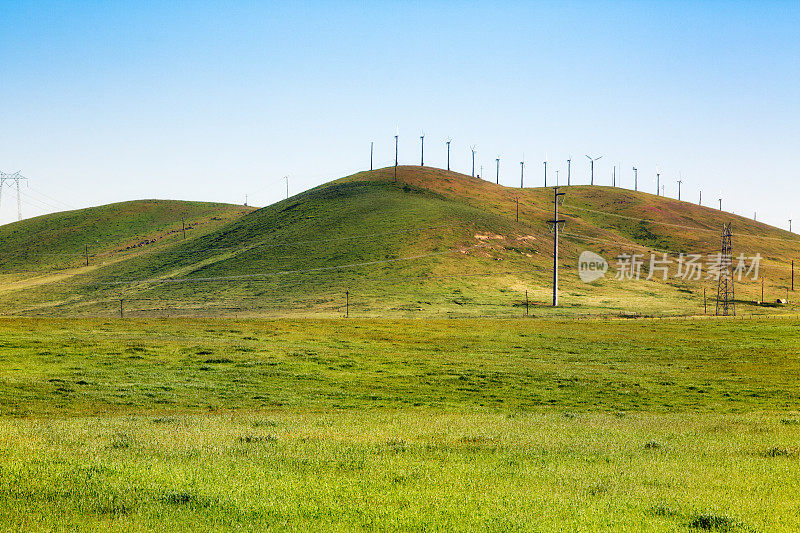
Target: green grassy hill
435 243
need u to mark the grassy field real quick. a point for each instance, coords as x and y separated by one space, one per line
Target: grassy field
535 425
435 244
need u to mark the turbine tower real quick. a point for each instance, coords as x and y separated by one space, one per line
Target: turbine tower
569 165
422 149
473 147
545 170
635 179
522 172
591 161
497 176
448 152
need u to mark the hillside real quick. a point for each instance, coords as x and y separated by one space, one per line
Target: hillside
435 243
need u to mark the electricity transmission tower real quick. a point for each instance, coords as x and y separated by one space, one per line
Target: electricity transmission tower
558 198
726 303
15 177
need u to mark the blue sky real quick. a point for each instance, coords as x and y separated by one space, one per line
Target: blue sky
111 101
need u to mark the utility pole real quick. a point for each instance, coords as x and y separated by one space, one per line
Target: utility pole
473 160
726 301
422 150
371 149
86 252
121 314
521 174
557 198
183 227
569 172
395 156
448 153
517 200
526 303
679 189
635 179
705 302
592 160
347 304
792 275
497 175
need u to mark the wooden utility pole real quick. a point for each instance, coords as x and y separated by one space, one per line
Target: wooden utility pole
517 200
792 275
121 315
762 290
347 304
557 197
526 303
183 226
705 302
86 251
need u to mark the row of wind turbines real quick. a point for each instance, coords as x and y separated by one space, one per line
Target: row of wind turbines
660 188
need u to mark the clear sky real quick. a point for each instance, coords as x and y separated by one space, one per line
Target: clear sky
110 101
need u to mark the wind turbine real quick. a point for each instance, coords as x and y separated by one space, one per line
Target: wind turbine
422 149
497 176
448 152
569 165
679 189
592 160
396 135
635 179
473 147
522 172
545 170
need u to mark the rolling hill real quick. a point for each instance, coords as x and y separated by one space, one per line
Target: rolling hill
434 243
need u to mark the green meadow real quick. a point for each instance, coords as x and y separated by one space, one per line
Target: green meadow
478 425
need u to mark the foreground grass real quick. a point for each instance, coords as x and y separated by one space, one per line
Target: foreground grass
413 470
411 425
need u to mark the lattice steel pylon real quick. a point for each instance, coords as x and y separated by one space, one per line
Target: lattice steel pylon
726 303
